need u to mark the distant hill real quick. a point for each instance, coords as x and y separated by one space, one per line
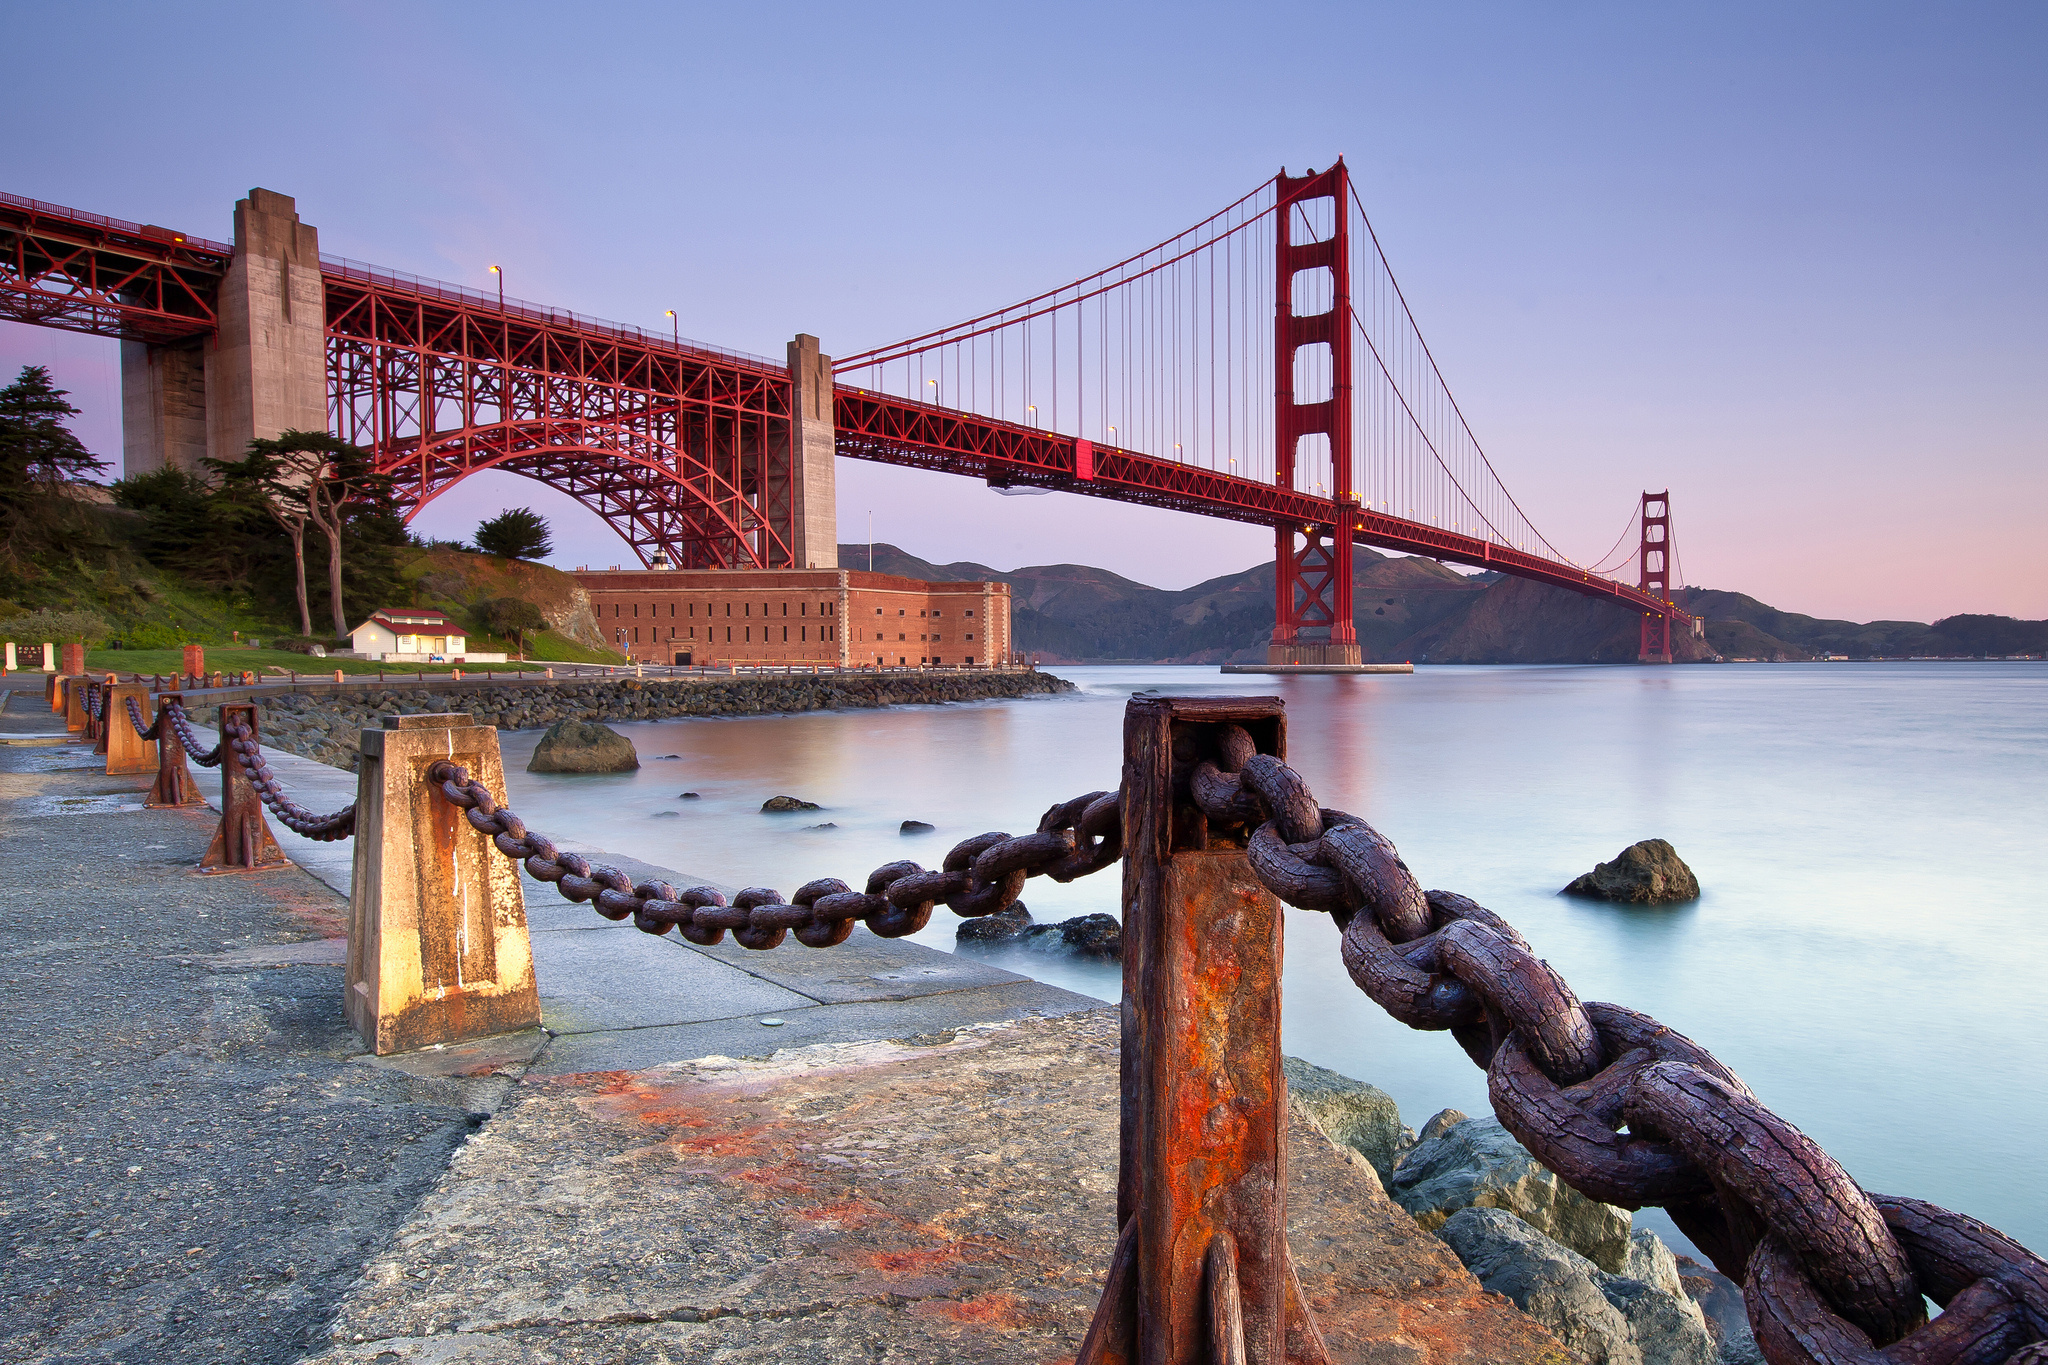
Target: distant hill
1415 609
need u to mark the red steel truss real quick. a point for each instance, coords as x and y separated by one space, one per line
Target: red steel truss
84 273
683 451
682 448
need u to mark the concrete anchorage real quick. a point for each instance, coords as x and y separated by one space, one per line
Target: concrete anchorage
263 371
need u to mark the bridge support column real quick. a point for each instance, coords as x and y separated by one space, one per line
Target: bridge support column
163 406
814 495
1654 575
266 371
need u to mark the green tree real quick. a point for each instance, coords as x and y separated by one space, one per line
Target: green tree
514 616
515 533
311 477
38 455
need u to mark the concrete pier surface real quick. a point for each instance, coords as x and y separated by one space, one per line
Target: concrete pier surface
916 1164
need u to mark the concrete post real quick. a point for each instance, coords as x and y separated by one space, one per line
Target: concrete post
49 658
163 406
10 656
195 661
75 715
814 499
267 368
437 942
128 752
74 658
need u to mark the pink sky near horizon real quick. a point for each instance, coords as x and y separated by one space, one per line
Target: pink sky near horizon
1786 263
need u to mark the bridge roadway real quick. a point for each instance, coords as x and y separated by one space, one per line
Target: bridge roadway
594 388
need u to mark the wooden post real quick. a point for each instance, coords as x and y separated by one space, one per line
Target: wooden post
243 843
174 784
1201 1271
128 752
437 942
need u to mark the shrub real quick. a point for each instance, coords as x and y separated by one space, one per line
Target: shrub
56 627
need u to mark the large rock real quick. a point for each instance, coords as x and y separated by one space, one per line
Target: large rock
1478 1164
1602 1319
1349 1113
1648 873
780 804
582 746
1004 926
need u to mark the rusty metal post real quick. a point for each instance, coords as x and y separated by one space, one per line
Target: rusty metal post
437 942
174 784
127 751
1201 1271
243 843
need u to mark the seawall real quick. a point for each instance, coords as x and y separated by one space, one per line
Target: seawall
323 724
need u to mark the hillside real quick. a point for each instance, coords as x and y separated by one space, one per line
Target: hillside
460 582
1416 609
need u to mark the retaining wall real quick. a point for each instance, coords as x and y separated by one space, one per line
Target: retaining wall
324 725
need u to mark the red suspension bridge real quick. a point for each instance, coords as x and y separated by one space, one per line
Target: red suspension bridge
1262 366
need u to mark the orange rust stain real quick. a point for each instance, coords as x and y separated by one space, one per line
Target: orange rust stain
919 1262
989 1310
848 1212
776 1178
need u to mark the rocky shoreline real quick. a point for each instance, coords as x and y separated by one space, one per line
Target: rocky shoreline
324 725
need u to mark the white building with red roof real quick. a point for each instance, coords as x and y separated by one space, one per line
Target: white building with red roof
415 635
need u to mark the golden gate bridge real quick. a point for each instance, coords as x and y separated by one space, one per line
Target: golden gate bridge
1261 366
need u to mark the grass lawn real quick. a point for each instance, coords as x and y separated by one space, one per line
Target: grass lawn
227 660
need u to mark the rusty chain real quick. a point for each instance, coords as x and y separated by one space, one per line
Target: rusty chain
135 719
980 876
238 739
182 724
1830 1274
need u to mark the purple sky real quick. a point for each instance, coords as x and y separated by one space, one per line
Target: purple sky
1786 260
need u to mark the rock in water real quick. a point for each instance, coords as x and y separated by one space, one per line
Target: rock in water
582 746
783 803
1602 1318
1003 926
915 827
1349 1113
1648 873
1478 1164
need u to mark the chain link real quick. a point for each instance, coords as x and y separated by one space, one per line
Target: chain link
980 876
1830 1274
240 740
182 724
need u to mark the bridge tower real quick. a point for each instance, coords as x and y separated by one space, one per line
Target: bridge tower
1653 575
1312 621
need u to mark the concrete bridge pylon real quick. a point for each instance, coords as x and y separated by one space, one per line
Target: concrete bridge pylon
262 371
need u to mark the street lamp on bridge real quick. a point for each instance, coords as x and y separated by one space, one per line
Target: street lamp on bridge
500 273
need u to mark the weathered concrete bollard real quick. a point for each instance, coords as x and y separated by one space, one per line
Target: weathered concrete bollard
243 843
174 785
437 942
75 714
1201 1270
195 660
127 752
74 658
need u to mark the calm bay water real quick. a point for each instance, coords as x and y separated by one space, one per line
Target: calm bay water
1869 953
